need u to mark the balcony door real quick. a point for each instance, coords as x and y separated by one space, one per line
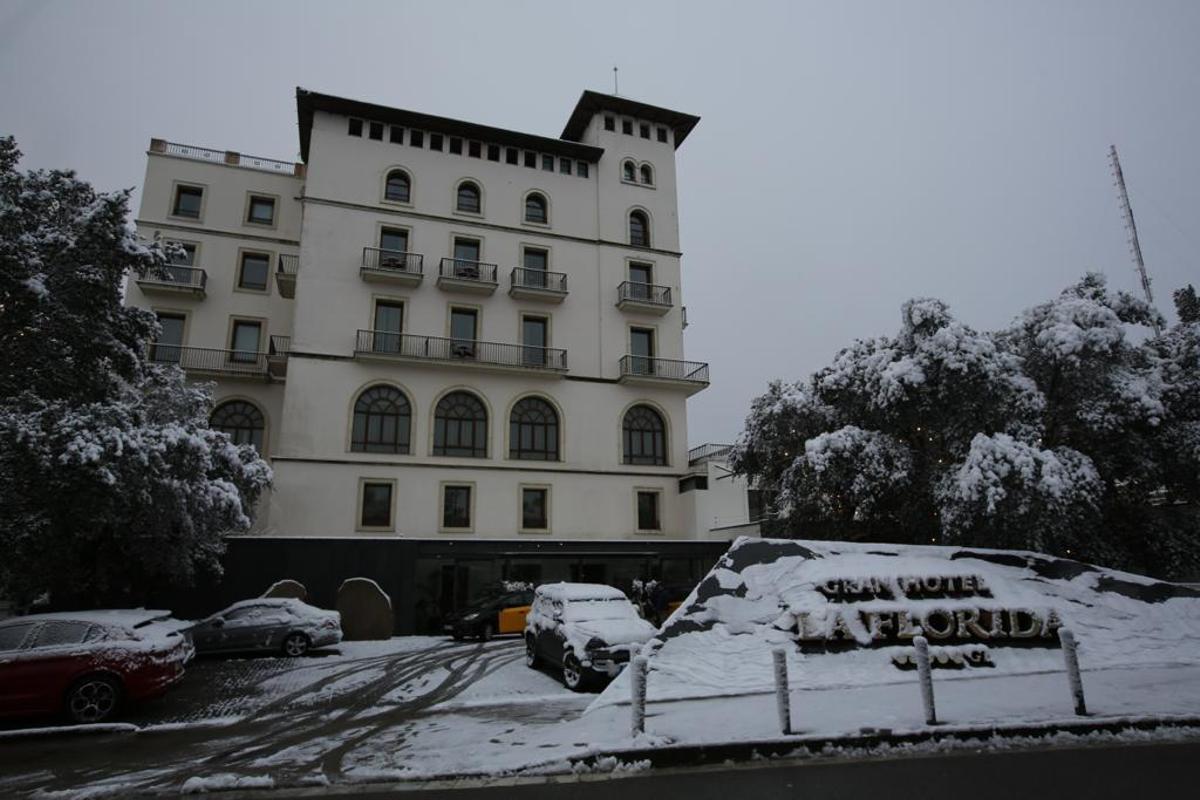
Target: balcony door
464 332
389 323
640 278
245 341
641 347
466 258
535 263
393 248
167 348
535 334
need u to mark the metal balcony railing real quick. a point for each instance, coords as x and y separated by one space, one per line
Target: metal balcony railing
288 265
392 260
206 359
523 278
437 348
280 346
707 451
463 270
177 275
664 368
650 293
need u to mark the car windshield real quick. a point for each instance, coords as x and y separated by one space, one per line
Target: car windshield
606 608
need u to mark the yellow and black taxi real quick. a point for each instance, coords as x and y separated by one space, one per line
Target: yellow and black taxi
496 612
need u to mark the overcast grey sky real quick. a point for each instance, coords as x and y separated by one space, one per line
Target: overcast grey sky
849 155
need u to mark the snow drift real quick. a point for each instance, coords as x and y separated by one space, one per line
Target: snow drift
846 614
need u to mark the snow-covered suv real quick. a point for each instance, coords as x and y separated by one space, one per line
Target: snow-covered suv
587 629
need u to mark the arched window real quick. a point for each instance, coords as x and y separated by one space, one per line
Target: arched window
460 426
647 174
397 187
382 421
629 171
242 421
469 198
645 437
639 229
536 208
533 430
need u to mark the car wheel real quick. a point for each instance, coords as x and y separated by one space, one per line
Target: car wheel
487 632
531 656
576 677
93 699
296 644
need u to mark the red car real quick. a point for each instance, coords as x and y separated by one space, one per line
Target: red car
87 663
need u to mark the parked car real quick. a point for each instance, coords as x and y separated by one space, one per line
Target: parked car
87 664
587 629
268 624
494 613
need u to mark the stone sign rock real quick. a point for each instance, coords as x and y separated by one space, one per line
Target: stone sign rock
287 588
366 610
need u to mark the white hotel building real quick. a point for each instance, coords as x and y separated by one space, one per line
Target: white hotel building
438 329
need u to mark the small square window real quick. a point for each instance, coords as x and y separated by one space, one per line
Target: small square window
474 149
188 200
581 169
644 130
531 159
662 133
493 152
396 135
564 166
435 142
255 269
535 509
376 131
627 127
610 124
456 145
647 512
548 163
416 138
511 155
376 505
355 127
456 507
261 211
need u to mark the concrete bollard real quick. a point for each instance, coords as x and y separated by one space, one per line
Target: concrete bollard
925 678
1071 656
782 698
637 692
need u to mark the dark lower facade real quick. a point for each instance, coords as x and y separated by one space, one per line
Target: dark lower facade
428 578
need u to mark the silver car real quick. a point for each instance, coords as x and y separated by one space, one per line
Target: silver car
267 624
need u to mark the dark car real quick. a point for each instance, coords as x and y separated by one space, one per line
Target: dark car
87 664
268 624
495 613
588 630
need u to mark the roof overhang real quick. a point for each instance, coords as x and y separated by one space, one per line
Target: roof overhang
308 103
592 102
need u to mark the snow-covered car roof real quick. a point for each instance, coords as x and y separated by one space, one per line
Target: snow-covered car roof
580 591
297 608
124 617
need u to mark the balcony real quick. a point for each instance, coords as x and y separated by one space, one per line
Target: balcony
645 297
285 275
392 266
460 275
538 284
644 370
277 356
209 361
175 279
470 353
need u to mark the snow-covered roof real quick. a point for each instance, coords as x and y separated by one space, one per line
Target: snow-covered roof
579 591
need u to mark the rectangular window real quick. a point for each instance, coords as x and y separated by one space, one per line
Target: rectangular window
535 258
647 511
641 348
466 250
396 135
535 334
435 142
255 269
388 325
464 330
376 505
511 155
493 152
531 159
548 163
416 138
474 149
245 340
456 507
355 127
641 276
662 133
393 239
188 201
535 508
261 211
375 131
644 130
456 145
581 169
627 127
167 347
564 166
610 124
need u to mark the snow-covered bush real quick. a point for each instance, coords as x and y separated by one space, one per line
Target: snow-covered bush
111 482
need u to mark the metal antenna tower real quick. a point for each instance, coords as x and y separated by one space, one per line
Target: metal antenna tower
1135 247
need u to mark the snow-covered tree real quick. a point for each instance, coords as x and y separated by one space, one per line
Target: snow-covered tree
1187 304
1057 433
111 482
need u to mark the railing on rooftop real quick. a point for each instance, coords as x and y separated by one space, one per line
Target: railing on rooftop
437 348
228 157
